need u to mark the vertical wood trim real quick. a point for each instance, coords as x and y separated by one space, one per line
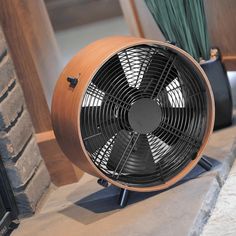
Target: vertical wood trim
132 17
140 20
137 19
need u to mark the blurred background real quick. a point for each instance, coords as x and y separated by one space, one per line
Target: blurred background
78 23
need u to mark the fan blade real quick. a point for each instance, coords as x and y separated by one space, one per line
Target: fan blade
111 79
136 159
175 122
158 75
96 131
110 76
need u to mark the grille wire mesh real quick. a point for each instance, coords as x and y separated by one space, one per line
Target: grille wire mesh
124 155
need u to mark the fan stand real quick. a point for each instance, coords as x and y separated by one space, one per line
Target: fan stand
123 198
205 164
124 193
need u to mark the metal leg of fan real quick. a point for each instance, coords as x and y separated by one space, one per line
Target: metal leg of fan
205 164
103 183
123 198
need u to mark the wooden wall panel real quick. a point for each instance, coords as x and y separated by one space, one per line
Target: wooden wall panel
221 20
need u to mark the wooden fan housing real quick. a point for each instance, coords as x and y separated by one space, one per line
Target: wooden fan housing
135 112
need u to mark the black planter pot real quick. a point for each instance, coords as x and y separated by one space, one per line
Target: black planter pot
219 81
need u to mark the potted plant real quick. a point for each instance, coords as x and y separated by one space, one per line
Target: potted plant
184 23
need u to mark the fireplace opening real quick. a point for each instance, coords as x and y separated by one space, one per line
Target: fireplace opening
8 208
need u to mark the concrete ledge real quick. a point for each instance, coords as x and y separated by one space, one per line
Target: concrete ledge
7 74
2 45
222 219
28 199
21 172
19 151
11 106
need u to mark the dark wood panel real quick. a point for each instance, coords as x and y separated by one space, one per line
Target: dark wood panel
68 13
230 62
221 20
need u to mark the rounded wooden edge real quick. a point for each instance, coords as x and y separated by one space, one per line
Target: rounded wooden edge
79 155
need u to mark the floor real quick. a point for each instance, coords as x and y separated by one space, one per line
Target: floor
223 218
86 208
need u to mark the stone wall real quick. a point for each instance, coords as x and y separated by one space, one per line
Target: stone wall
19 151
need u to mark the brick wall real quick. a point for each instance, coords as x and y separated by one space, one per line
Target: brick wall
26 170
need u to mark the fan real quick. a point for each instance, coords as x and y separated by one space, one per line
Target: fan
134 112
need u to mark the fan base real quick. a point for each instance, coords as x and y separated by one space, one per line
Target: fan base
205 164
124 193
123 198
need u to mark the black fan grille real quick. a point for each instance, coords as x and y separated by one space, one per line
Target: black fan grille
144 73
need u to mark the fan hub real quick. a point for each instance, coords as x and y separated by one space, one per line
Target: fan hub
144 116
